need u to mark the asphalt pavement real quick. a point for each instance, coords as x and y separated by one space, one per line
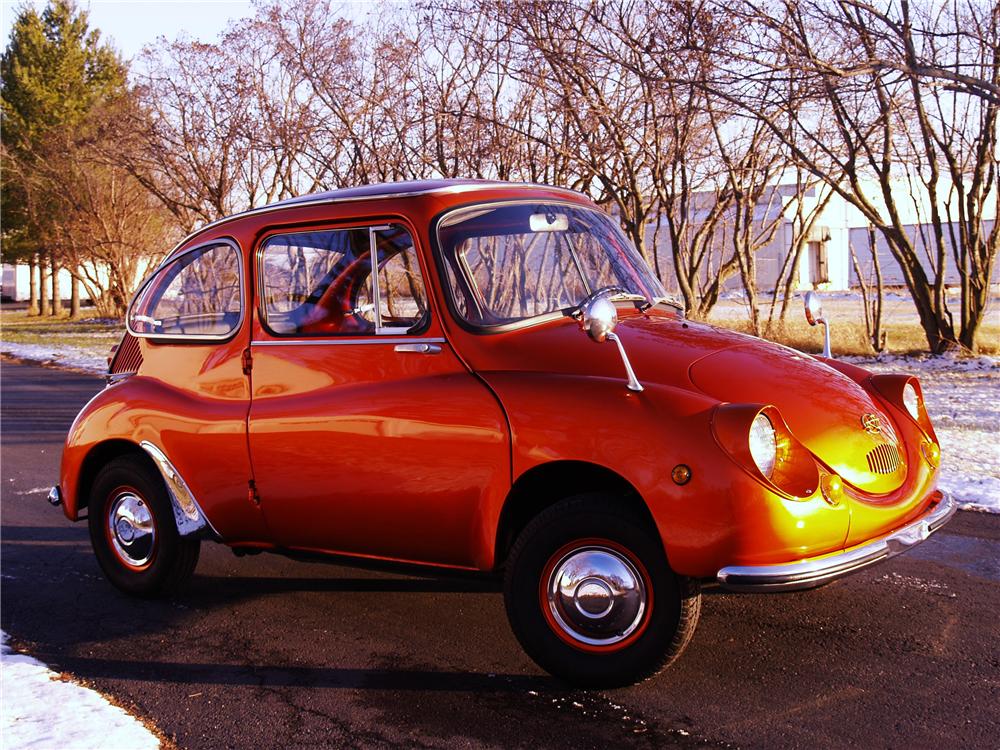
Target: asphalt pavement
266 652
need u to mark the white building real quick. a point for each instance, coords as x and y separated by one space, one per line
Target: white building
826 261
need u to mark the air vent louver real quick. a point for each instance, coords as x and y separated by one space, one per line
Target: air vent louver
883 459
128 358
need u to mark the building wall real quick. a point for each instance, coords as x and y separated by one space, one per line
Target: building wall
892 274
842 226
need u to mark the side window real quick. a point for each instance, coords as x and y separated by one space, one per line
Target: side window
196 295
320 283
313 282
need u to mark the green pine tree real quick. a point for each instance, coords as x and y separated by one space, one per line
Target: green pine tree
54 73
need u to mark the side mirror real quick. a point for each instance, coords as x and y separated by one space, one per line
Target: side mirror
814 315
814 309
599 318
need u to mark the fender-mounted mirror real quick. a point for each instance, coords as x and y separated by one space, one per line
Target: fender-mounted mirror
598 317
814 316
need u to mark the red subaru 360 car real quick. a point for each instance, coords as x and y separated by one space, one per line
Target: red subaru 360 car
408 373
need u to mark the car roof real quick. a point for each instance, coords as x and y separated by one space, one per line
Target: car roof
404 189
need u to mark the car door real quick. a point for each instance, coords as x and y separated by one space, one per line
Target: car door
367 434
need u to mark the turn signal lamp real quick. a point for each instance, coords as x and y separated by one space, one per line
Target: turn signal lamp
932 453
832 487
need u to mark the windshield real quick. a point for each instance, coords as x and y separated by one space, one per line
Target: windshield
511 262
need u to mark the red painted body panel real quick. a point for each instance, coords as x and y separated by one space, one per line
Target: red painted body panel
360 449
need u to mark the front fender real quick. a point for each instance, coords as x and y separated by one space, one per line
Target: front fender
720 515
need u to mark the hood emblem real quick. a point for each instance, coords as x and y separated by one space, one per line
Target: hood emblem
872 423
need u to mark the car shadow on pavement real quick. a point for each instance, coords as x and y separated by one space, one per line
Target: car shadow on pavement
305 676
249 586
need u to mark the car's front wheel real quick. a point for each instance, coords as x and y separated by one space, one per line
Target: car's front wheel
133 532
591 598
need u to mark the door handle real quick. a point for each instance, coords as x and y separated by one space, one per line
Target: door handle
418 348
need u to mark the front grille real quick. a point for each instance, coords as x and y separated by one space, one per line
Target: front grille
128 356
883 459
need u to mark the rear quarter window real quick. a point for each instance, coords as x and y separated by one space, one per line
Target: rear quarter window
197 295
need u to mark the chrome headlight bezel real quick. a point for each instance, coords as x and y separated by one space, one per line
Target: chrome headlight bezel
911 400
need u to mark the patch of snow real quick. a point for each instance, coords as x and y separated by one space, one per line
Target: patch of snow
42 710
913 582
63 356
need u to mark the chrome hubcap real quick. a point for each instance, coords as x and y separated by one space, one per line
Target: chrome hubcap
596 596
133 532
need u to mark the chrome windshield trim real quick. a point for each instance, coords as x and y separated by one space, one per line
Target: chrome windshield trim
815 571
187 513
348 341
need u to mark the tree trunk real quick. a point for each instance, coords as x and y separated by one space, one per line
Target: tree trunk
878 335
33 268
43 287
74 297
56 296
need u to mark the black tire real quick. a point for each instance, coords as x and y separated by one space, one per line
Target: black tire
585 524
148 565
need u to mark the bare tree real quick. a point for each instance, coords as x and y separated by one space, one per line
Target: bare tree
889 123
185 136
110 230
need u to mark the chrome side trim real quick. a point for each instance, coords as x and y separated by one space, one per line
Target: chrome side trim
55 496
187 513
812 572
346 341
117 377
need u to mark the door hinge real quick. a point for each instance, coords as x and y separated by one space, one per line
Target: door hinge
252 493
247 361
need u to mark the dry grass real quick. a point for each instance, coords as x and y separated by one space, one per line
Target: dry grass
847 328
90 334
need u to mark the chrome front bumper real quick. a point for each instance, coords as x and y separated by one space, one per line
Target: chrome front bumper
812 572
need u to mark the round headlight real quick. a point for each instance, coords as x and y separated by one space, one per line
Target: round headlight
763 444
911 400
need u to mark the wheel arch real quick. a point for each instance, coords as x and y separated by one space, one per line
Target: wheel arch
99 456
189 518
546 484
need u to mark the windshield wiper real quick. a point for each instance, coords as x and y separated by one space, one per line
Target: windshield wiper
672 301
615 294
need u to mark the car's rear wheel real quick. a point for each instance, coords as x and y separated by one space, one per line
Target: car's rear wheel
591 597
133 532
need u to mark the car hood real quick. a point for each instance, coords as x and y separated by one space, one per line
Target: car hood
823 407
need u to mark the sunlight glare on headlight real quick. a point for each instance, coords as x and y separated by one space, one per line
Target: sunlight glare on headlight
763 444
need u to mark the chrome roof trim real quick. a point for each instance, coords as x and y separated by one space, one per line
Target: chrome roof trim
331 197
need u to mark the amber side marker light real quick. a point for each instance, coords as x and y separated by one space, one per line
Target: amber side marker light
681 474
932 453
832 487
